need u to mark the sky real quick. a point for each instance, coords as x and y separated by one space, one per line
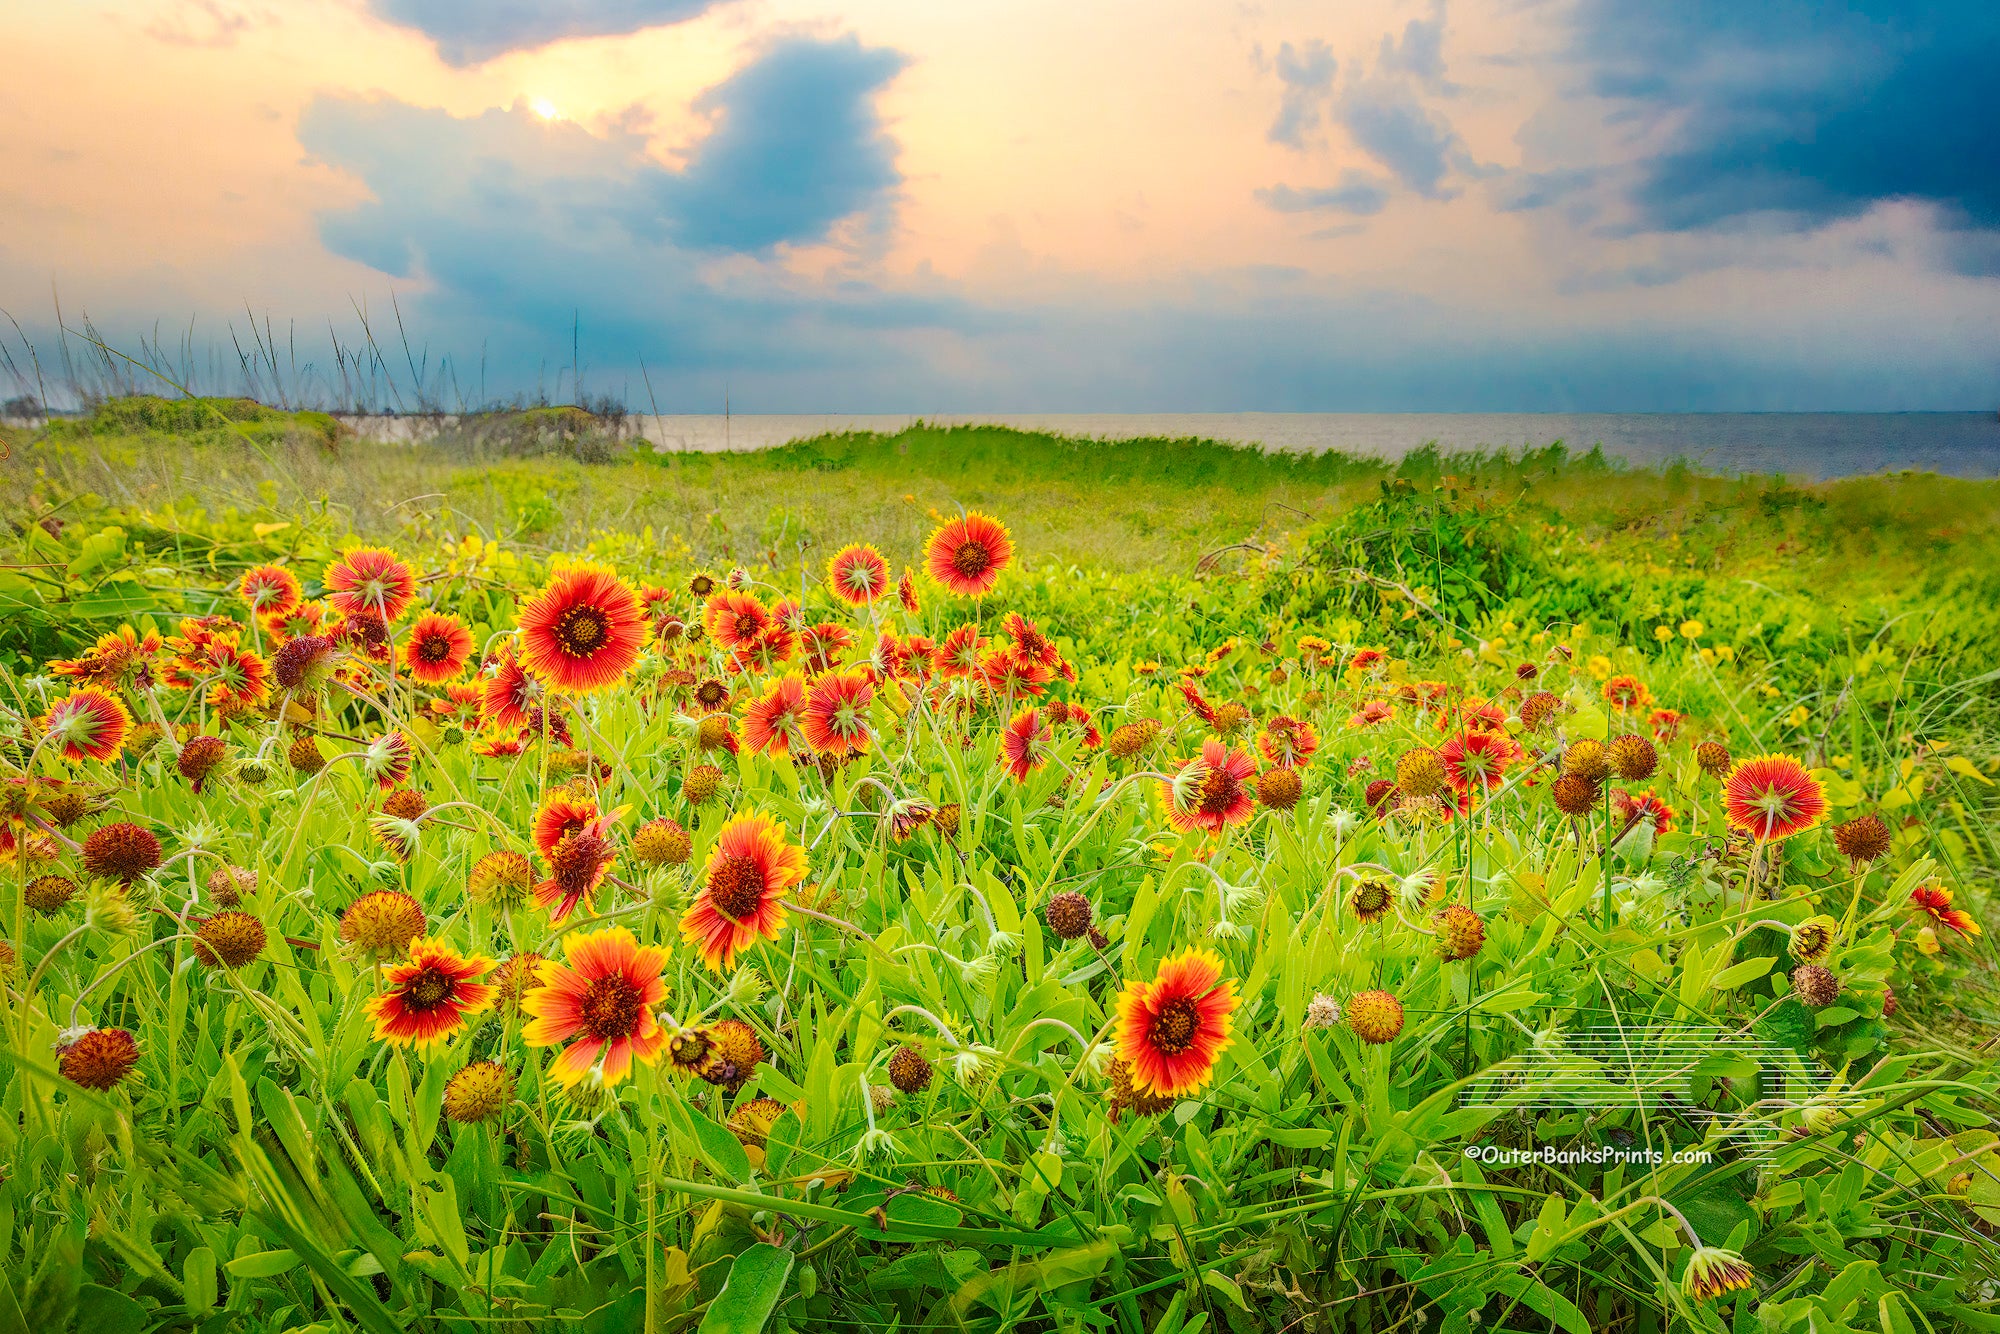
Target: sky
1014 205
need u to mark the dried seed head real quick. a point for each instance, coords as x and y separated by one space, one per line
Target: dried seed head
1815 986
908 1070
1575 795
1713 757
50 894
1069 915
1633 757
1862 839
703 782
99 1058
229 939
1420 772
1461 933
121 852
1587 759
304 756
661 842
479 1092
1280 789
1375 1016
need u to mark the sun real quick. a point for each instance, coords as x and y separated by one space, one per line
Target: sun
544 108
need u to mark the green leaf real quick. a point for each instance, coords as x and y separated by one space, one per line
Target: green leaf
722 1151
263 1264
198 1278
1737 974
756 1281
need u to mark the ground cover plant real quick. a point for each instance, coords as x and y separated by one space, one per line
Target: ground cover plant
419 921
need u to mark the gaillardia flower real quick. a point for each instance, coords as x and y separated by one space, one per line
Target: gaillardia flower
599 1000
857 574
835 718
270 591
1713 1271
744 884
1210 792
86 724
439 647
1771 797
583 631
369 579
1170 1030
1024 743
428 996
967 555
1935 902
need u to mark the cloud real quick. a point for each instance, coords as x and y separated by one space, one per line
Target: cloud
520 225
1358 193
1800 112
1416 145
1308 78
797 146
470 32
1420 53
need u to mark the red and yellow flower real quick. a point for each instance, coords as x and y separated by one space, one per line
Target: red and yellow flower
749 871
1170 1030
857 574
835 717
270 590
439 647
583 631
1771 797
735 620
1476 760
1024 744
577 861
776 716
430 995
600 1001
1211 792
1935 902
967 555
1288 742
369 579
86 724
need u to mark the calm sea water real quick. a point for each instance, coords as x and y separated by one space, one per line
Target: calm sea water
1801 444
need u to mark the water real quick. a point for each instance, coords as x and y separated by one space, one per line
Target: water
1802 444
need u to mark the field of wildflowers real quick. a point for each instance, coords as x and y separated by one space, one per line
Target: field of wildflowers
1394 925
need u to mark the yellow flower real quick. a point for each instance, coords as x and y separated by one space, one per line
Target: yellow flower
1508 627
1708 656
1726 653
1600 666
1539 638
1663 633
1692 629
1798 716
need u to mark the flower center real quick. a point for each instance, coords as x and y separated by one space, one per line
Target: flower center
574 863
581 631
1173 1028
690 1049
736 886
610 1009
427 990
971 559
434 648
1218 791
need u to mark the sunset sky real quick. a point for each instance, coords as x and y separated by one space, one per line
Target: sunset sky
951 205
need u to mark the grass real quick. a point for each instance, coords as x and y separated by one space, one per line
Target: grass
272 1163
